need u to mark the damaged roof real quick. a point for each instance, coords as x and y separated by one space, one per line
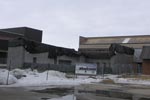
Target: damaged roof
37 47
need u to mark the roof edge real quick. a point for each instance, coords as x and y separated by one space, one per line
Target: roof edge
125 36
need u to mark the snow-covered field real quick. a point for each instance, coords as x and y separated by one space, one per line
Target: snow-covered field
18 78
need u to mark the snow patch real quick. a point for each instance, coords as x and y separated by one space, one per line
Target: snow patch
126 40
3 77
34 78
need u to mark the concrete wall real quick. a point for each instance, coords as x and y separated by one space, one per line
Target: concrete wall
100 62
73 60
103 65
121 63
18 56
15 57
42 58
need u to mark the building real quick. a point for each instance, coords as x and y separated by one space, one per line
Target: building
25 32
97 50
24 53
12 33
116 54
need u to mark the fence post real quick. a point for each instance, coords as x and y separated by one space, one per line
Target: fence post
8 73
47 75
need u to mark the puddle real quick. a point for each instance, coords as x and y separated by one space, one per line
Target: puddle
109 93
45 98
144 99
72 93
56 91
114 94
67 97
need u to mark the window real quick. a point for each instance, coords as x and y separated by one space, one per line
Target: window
34 60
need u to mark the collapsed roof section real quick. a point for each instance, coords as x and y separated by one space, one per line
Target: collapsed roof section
107 53
117 48
99 47
37 47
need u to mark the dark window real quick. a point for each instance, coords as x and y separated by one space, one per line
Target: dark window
34 60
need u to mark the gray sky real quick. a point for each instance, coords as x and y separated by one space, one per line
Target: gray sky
63 21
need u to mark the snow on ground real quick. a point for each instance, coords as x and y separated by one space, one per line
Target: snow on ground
3 77
132 81
136 81
18 78
34 78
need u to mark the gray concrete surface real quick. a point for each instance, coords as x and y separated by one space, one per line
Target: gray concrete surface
20 94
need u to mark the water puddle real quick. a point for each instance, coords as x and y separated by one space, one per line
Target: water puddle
71 93
67 97
144 99
56 91
114 94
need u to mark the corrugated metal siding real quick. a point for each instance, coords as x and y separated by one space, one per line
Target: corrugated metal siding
104 46
104 42
118 39
146 67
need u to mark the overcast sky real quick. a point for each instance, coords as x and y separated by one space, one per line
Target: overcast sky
63 21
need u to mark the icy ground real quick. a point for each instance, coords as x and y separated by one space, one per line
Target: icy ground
19 78
67 97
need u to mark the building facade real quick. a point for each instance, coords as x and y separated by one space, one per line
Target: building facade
117 55
23 52
12 33
97 50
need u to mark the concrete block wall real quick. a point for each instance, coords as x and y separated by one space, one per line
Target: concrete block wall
73 60
121 63
42 58
100 62
15 57
18 56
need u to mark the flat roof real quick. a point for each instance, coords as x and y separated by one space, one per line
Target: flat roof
136 41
